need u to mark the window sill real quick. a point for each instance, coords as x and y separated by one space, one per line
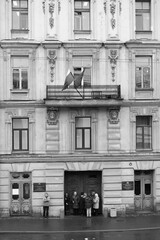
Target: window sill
19 30
144 150
144 32
20 152
82 31
144 89
21 91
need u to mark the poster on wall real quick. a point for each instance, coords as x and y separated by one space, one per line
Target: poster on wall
127 186
39 187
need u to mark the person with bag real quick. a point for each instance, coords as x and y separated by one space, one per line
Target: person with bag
46 203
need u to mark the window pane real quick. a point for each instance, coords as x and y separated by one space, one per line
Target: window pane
24 140
137 188
146 21
147 188
24 79
147 137
146 5
146 77
139 139
16 145
85 20
15 191
26 190
24 3
85 4
16 20
19 123
78 21
82 122
87 78
87 138
139 22
15 78
143 121
78 4
138 77
15 3
24 21
138 5
79 138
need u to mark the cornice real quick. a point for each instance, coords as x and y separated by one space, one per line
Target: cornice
141 103
116 44
20 103
48 44
142 43
19 43
82 44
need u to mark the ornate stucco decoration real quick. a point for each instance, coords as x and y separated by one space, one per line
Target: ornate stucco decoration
113 61
112 11
52 61
52 115
120 7
51 11
105 6
44 5
113 116
59 6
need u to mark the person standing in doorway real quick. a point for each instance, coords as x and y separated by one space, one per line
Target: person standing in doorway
88 205
95 204
75 202
46 203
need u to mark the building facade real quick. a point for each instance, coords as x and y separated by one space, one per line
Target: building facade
102 137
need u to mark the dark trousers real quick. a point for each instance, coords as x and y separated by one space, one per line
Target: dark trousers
45 211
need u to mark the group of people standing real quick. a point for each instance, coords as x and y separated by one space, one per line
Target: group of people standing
85 204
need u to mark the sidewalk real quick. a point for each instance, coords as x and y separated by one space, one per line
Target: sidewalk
78 224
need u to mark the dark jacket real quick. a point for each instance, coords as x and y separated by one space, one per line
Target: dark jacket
88 202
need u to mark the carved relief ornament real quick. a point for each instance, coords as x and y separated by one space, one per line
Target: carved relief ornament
52 61
51 11
113 11
113 61
113 116
52 115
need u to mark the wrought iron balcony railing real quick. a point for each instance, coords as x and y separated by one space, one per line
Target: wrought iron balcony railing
101 92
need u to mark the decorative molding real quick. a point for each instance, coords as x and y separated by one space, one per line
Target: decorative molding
120 6
20 113
144 111
105 6
52 115
112 11
44 5
52 57
51 11
59 6
113 116
113 61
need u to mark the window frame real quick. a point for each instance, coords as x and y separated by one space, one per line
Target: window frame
82 10
83 135
141 12
142 127
20 132
22 11
150 66
20 69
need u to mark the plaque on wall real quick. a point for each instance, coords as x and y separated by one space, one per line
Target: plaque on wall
39 187
127 186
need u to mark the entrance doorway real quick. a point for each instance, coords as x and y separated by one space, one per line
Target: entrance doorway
143 190
83 181
20 194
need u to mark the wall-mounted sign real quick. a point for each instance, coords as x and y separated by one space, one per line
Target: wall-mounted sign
39 187
127 185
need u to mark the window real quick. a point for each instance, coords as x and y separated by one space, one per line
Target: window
83 133
19 72
143 15
78 63
143 132
86 82
82 15
143 72
20 14
20 134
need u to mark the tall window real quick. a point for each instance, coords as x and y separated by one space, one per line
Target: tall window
20 14
82 15
78 63
143 72
143 15
143 132
20 134
20 72
83 133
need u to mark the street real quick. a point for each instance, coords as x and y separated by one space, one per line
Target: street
85 235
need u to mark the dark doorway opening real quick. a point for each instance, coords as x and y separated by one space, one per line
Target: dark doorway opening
82 181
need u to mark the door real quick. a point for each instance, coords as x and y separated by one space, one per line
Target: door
144 190
20 194
86 182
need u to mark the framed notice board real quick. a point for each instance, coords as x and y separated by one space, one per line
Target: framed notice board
127 186
39 187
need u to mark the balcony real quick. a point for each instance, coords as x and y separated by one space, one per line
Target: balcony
96 95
